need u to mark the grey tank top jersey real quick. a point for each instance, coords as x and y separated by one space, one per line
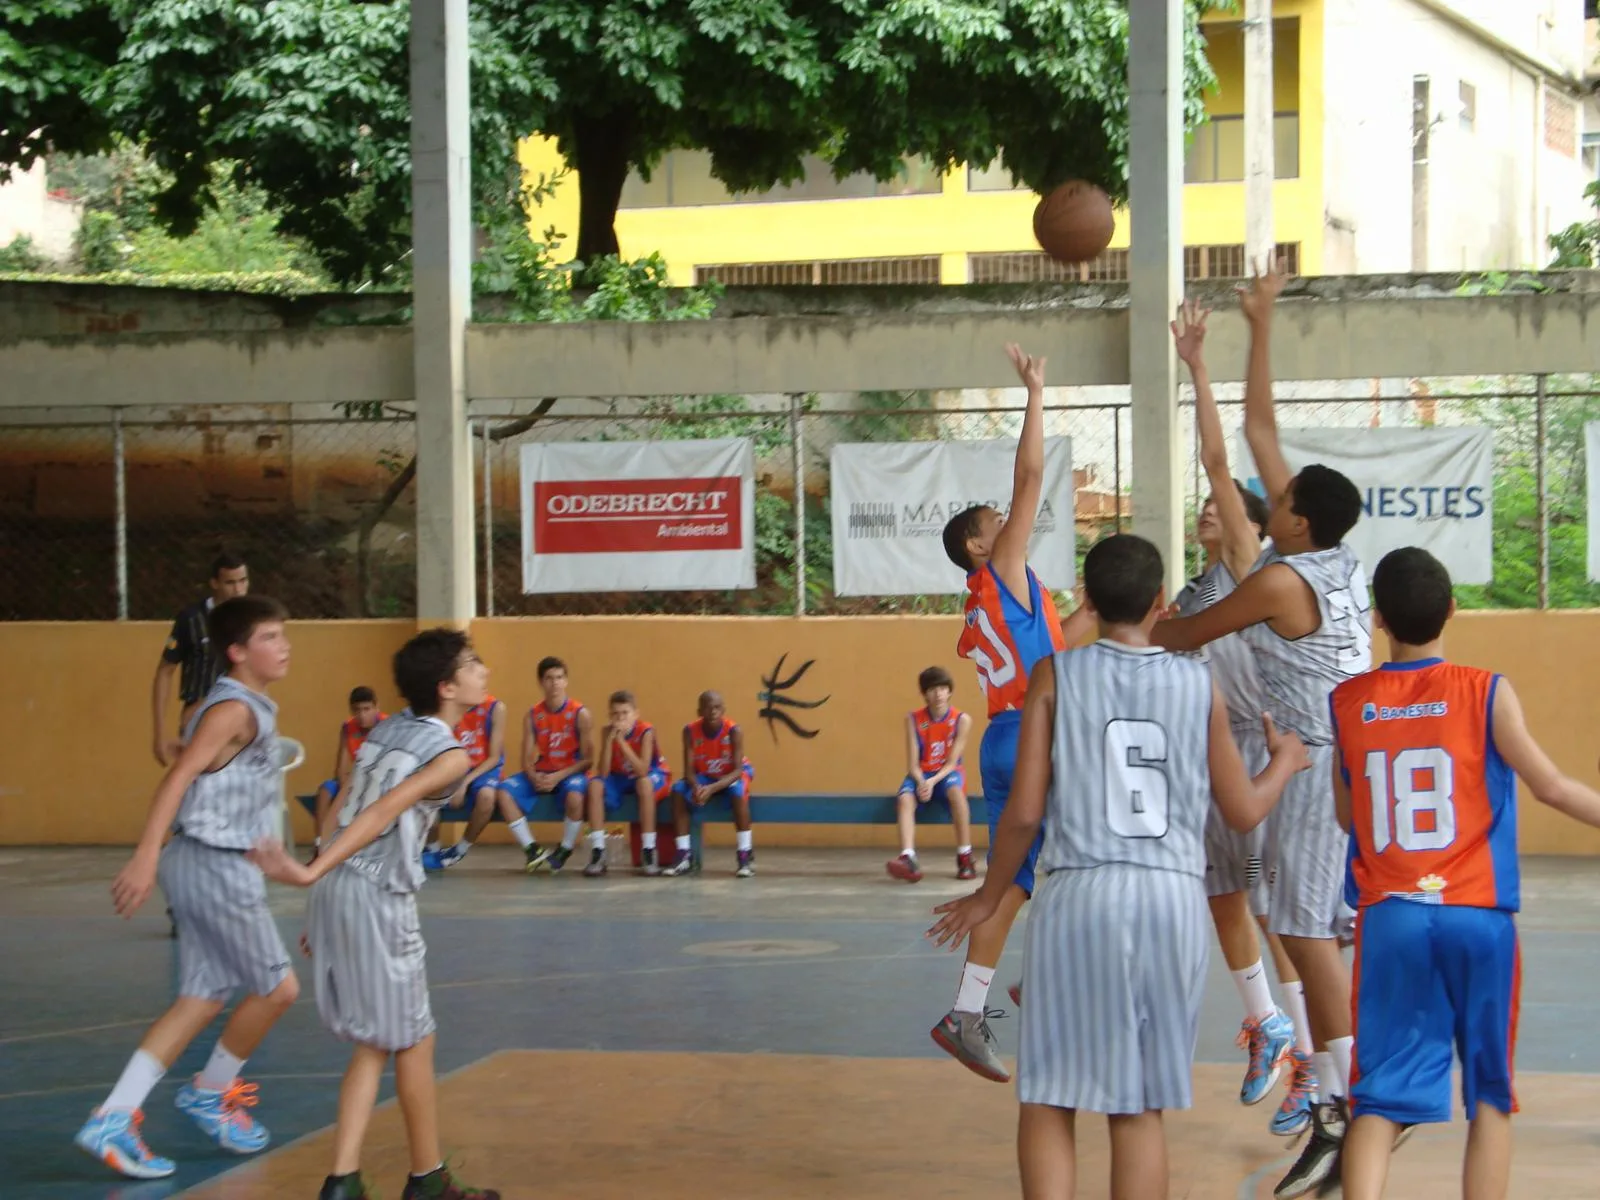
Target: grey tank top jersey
1232 664
395 750
1131 778
236 805
1298 675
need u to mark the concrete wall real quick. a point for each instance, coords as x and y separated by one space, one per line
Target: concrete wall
27 209
80 770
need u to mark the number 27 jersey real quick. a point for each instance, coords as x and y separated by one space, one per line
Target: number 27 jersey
1003 639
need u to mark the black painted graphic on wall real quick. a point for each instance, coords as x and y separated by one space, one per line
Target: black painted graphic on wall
774 701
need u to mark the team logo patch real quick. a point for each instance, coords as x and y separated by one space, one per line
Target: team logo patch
1369 713
1431 883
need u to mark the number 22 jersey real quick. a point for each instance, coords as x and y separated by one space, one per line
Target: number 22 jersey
1005 640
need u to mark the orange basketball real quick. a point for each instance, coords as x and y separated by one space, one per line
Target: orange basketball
1074 222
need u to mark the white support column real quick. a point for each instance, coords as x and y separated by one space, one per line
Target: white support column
441 198
1155 272
1260 166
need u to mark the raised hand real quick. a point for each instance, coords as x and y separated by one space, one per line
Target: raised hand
1189 332
1030 369
1257 298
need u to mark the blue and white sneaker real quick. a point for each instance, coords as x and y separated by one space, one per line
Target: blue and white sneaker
223 1116
1294 1115
1269 1040
438 860
113 1138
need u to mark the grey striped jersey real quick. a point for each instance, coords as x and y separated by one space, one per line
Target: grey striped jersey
1233 666
235 806
394 751
1131 772
1298 675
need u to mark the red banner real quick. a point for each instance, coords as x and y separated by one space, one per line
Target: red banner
604 516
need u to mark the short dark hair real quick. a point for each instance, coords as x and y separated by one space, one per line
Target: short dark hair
1123 576
935 677
1411 589
957 530
1256 510
362 695
622 697
550 663
226 561
425 664
233 621
1329 502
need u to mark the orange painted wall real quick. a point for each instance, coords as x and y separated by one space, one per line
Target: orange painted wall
75 764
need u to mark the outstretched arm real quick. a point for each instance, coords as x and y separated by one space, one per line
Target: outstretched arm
1260 422
1009 557
1528 759
1274 593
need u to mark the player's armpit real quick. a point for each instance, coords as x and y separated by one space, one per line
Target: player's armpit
1527 758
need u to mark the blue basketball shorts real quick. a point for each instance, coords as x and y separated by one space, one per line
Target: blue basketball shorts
997 761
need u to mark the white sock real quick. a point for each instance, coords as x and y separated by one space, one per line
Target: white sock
908 852
1342 1051
1254 991
597 839
569 833
1294 1003
683 843
317 842
519 830
222 1069
742 839
648 840
434 846
139 1079
974 990
964 849
1327 1077
462 847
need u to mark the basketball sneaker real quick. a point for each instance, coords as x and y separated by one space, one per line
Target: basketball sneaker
747 865
905 867
440 1185
557 860
1269 1040
967 1038
1319 1161
1294 1114
535 857
438 860
113 1138
1015 992
597 864
223 1116
647 862
345 1187
965 867
682 866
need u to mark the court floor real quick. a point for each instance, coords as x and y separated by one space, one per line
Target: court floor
706 1036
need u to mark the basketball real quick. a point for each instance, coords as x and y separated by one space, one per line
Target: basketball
1073 223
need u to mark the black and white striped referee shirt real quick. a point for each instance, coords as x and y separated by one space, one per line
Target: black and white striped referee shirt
189 645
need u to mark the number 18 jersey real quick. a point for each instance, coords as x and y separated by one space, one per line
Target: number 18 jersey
1433 806
1003 639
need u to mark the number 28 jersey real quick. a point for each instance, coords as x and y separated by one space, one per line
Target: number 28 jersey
1003 639
1433 806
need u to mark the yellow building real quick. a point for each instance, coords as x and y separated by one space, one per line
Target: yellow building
972 225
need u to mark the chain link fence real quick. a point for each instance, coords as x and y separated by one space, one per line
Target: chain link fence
118 514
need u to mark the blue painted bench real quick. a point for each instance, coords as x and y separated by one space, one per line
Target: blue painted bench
820 808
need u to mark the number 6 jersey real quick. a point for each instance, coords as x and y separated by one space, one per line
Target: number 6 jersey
1005 640
1131 763
1433 806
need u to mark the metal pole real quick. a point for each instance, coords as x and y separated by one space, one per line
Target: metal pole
1539 382
488 521
119 475
797 450
1116 462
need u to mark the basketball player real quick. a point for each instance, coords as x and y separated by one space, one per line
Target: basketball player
1230 528
366 947
714 766
482 734
1428 756
1011 623
219 797
1123 750
1305 615
936 742
364 714
634 764
557 750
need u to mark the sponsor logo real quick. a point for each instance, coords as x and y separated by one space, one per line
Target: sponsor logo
1431 883
1403 712
925 518
611 516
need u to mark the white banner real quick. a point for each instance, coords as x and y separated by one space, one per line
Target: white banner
1591 437
638 516
891 502
1432 488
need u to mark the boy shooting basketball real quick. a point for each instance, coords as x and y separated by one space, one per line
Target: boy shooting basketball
220 796
1123 749
367 953
1425 777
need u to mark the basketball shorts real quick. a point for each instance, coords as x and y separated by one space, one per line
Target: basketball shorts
1114 970
489 780
1306 854
1235 862
997 759
955 781
1430 979
369 961
620 788
331 786
736 790
227 939
520 788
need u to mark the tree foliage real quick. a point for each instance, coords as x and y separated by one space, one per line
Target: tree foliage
1578 245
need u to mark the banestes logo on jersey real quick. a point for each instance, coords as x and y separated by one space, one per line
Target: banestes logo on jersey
1403 712
610 516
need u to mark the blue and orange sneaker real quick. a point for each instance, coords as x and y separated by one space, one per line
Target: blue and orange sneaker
223 1118
1269 1040
1294 1115
113 1137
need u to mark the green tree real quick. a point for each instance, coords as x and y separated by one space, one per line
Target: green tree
53 55
1578 245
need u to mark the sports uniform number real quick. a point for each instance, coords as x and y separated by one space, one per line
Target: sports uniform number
1410 816
1136 788
1352 622
1000 667
375 775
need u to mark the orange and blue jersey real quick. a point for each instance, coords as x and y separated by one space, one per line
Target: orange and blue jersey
555 733
476 730
936 738
711 754
635 738
1433 872
354 734
1003 639
620 782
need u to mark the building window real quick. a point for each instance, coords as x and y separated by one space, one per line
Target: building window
838 271
993 178
1469 106
683 179
1216 154
1199 262
1560 122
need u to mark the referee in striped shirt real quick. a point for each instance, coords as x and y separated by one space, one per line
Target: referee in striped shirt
189 655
